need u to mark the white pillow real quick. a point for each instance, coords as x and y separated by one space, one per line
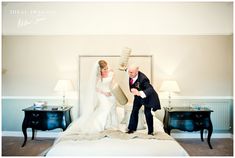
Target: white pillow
124 117
120 113
158 125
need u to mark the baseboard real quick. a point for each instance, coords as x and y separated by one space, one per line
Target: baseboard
55 134
197 135
47 134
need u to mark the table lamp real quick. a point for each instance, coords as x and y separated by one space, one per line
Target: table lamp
169 86
64 86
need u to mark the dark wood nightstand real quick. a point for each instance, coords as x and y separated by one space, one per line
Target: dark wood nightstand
45 118
188 119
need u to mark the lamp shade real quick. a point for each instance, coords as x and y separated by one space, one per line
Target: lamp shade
64 86
170 86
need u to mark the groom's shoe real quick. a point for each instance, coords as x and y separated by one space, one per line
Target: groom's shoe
150 133
130 131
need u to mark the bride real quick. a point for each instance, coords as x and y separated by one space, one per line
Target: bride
98 111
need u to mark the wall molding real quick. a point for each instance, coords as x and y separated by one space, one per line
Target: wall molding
38 97
46 134
197 135
49 134
196 97
115 34
161 97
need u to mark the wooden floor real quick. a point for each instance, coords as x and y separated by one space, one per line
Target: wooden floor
195 147
11 146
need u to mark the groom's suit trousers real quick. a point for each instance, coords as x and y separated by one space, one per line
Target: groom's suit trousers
138 102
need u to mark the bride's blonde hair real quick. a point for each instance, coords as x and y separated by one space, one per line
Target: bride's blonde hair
102 64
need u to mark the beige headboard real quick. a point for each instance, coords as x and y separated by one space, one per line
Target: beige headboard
121 77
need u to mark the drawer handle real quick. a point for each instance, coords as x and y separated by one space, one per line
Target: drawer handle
35 122
199 123
199 116
180 115
35 115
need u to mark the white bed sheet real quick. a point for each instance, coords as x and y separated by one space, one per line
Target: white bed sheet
119 147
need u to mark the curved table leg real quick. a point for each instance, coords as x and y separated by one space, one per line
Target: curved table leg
201 135
24 129
33 130
168 131
209 137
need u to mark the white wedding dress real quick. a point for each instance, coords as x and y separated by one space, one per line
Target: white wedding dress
103 116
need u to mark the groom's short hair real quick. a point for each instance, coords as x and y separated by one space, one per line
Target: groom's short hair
133 66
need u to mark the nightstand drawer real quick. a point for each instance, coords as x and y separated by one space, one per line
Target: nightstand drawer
202 123
37 124
201 115
181 116
34 119
187 125
34 115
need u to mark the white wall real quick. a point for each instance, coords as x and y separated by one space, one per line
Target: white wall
202 65
50 18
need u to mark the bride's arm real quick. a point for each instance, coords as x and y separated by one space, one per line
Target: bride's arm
113 78
108 94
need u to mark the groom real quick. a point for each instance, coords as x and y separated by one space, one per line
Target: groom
144 94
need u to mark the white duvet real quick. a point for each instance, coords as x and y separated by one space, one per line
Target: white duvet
118 147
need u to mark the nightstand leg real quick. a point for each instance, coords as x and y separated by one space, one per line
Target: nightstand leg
202 135
24 129
168 131
209 138
33 130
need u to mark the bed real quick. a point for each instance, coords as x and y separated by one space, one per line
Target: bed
116 142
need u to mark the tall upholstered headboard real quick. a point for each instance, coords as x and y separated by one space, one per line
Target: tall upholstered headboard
121 77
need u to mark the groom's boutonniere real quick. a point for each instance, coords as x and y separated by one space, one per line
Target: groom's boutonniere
137 85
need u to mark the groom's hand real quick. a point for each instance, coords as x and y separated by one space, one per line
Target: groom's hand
135 91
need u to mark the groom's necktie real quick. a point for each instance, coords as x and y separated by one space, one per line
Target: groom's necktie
131 81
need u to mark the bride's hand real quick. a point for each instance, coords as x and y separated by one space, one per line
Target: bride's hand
107 94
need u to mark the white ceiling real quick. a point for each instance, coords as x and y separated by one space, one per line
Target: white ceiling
75 18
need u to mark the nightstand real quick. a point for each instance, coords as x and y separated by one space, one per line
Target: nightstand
188 119
45 118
